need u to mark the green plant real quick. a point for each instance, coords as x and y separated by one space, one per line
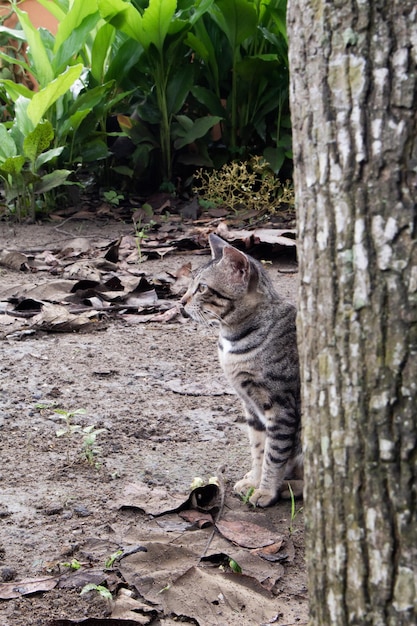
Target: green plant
246 498
67 416
294 511
89 448
70 96
88 434
74 564
164 69
234 566
103 591
112 558
245 185
112 197
142 228
241 47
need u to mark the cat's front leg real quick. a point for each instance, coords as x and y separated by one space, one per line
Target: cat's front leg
252 479
273 473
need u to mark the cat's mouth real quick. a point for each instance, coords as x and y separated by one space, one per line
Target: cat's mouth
184 312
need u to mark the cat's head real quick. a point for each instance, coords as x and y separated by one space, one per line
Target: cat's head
218 286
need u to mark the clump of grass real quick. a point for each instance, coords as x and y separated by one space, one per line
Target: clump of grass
88 435
245 185
294 511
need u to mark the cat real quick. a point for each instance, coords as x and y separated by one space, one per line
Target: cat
258 353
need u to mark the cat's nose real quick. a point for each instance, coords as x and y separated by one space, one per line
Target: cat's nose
184 312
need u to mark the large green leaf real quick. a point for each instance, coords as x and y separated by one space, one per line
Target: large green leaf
7 145
122 15
122 62
38 140
101 50
52 180
47 156
13 165
12 33
75 41
23 125
187 133
236 18
156 21
179 87
80 9
53 8
42 68
14 90
47 96
209 99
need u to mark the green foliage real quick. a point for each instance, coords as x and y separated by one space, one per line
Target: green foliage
89 448
89 434
294 511
100 589
74 564
169 70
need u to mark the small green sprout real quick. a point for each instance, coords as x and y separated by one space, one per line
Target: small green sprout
248 495
74 564
294 512
103 591
112 197
67 416
90 450
235 567
112 558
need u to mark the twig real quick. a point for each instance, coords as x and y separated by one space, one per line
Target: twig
220 476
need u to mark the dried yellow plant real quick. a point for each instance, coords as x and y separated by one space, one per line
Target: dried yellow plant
245 185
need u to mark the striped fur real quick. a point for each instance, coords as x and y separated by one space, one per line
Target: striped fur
258 353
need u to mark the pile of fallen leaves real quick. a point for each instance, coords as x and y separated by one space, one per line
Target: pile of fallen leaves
189 559
88 281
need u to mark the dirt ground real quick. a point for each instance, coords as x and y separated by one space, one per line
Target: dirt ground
169 416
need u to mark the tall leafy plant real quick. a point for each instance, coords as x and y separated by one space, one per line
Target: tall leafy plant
241 50
69 95
164 67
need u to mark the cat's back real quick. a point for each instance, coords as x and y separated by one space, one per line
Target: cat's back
264 349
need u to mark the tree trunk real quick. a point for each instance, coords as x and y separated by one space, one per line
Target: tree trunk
353 100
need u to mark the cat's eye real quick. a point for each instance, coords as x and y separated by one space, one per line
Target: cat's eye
202 287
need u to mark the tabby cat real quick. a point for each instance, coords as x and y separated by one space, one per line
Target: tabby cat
258 353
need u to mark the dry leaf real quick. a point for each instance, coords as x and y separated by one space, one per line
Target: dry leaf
26 587
246 534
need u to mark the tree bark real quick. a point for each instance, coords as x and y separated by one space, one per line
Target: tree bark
354 101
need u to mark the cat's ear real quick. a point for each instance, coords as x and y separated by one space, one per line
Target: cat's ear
239 264
216 244
237 261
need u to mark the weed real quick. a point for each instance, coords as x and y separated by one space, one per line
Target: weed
141 231
89 448
67 416
103 591
74 564
248 495
112 197
112 558
247 185
235 567
294 511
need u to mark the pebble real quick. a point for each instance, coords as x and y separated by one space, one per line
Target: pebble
7 574
53 509
81 510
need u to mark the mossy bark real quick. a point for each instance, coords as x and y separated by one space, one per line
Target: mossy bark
354 100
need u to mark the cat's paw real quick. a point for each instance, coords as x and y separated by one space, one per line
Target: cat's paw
242 486
263 497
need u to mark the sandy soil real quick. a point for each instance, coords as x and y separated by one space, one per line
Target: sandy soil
168 416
